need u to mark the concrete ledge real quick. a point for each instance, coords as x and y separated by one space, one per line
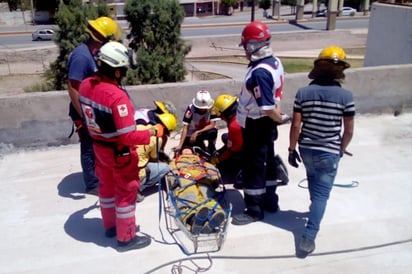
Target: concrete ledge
41 119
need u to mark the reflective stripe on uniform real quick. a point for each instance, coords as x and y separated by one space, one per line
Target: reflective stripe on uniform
254 192
125 212
93 104
271 183
107 202
118 132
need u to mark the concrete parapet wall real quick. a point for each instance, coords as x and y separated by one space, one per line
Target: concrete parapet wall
389 37
15 18
41 119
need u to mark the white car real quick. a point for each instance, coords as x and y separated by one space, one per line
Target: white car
42 34
348 11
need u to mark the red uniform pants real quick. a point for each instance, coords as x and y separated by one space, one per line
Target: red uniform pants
118 186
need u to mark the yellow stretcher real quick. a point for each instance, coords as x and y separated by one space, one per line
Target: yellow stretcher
183 203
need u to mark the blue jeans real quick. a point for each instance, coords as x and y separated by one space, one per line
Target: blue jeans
321 168
156 172
87 160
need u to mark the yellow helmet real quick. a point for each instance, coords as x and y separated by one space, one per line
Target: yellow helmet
223 102
168 120
104 29
335 54
165 107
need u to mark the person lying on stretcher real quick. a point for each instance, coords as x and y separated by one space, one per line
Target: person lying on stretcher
193 182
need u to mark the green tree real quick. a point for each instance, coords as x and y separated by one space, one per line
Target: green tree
264 4
13 4
49 5
228 3
71 20
156 40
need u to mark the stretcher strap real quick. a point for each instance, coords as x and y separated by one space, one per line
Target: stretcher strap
160 229
218 196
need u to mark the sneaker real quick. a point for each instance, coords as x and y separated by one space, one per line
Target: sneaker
110 233
214 223
306 245
136 243
199 220
247 217
93 191
140 197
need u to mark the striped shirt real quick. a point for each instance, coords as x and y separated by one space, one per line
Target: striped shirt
323 106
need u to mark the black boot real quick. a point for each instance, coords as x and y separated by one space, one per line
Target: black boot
270 200
247 217
136 243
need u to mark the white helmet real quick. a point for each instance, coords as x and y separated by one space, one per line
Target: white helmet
114 54
203 100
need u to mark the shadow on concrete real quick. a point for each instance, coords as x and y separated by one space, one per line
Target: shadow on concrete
296 24
291 221
288 220
88 230
72 186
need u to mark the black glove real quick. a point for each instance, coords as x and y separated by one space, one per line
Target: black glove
293 156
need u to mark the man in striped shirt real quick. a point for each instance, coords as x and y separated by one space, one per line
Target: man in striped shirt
320 109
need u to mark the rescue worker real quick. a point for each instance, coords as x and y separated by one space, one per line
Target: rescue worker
228 158
151 168
199 124
258 114
147 116
81 64
108 114
319 111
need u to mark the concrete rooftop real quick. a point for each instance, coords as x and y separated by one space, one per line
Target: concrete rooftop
49 226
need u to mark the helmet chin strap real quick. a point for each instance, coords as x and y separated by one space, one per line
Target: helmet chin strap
255 46
261 53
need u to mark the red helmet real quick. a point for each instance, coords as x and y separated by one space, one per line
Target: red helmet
255 31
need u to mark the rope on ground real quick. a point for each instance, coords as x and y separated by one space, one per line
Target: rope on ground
208 257
178 268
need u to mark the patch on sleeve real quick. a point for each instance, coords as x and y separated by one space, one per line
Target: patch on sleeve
256 91
122 109
188 114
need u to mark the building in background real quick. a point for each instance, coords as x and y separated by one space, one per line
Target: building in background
191 8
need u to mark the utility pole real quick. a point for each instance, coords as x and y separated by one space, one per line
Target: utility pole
32 11
252 12
300 9
276 9
332 13
314 8
366 7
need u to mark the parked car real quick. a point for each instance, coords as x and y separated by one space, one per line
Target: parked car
42 34
348 11
321 13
